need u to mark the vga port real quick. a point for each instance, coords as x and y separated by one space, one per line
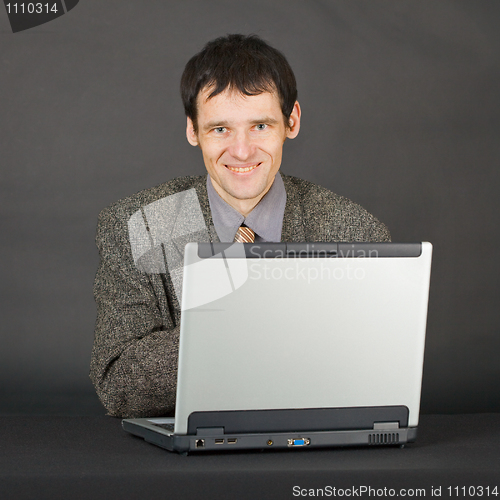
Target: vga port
299 442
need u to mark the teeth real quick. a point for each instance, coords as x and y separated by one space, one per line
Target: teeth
246 169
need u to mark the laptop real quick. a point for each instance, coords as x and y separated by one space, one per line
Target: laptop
297 345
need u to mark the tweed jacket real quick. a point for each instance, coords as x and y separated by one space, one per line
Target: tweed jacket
134 357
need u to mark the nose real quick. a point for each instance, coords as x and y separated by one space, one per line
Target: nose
241 147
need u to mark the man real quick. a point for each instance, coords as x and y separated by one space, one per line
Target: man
241 104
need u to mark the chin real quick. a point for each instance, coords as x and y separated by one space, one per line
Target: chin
239 195
247 193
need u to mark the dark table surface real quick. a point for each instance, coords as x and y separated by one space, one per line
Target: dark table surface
92 457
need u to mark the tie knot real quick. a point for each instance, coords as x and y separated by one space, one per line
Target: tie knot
244 235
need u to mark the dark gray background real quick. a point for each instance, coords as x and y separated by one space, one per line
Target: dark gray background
400 104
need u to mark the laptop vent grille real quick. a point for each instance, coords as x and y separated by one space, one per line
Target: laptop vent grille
383 438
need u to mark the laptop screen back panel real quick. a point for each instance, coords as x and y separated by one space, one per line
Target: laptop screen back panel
284 333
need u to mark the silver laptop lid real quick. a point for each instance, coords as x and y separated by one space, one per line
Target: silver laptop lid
281 326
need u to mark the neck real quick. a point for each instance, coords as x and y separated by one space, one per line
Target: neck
244 207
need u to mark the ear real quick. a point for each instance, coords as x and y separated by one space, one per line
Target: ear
191 135
294 121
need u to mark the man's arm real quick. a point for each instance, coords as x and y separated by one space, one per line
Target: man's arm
134 358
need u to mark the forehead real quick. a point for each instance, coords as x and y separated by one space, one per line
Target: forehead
232 105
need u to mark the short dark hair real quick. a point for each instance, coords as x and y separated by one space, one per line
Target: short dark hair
244 63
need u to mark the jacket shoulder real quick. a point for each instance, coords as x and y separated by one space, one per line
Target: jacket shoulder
125 207
332 217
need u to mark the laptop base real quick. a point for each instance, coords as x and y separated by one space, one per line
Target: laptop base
214 439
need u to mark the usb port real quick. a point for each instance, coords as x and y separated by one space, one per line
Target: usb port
232 441
219 441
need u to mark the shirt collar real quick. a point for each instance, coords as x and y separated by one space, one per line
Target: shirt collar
266 219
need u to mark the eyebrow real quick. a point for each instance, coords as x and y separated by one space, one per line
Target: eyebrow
265 119
224 123
215 124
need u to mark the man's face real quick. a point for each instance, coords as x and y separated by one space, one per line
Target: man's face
241 138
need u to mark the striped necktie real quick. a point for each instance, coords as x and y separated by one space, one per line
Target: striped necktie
244 235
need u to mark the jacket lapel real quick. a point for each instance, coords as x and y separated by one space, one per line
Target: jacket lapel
293 218
201 190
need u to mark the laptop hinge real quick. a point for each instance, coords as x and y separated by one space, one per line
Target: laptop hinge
385 426
209 431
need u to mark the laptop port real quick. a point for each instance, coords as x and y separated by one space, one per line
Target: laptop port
219 441
232 441
200 443
299 442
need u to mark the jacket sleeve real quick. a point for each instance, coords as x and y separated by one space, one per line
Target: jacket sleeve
134 357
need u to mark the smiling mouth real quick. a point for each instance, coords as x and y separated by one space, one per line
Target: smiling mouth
242 169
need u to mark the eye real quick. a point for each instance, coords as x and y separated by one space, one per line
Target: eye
261 126
220 130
